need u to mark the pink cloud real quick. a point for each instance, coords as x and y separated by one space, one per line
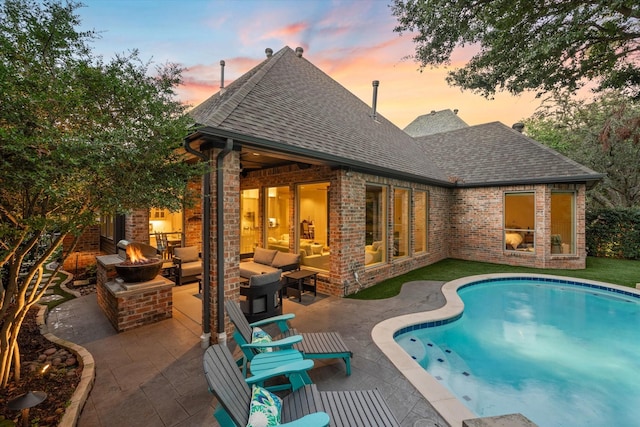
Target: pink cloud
287 31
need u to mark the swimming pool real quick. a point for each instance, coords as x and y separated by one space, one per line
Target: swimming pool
518 348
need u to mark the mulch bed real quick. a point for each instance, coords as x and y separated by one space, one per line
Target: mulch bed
59 381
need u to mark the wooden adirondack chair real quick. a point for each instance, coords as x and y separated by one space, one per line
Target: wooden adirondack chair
306 406
313 345
233 392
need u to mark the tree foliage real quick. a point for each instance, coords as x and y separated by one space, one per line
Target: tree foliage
78 136
603 134
528 45
613 233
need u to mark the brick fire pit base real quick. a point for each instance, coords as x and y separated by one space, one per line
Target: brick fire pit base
129 305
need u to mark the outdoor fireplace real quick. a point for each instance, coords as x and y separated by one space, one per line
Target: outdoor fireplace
141 263
130 290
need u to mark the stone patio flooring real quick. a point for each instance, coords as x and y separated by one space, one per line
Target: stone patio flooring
152 375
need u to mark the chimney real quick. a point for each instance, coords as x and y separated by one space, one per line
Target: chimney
299 51
222 88
374 105
518 126
269 52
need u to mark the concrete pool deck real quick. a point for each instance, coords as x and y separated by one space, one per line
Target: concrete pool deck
152 375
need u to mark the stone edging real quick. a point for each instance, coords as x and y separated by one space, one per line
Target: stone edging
79 397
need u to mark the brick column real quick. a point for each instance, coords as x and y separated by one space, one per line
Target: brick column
136 227
347 213
231 255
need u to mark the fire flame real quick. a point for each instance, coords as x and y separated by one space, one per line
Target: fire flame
134 254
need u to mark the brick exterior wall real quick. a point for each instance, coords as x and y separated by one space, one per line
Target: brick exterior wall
477 227
462 223
347 218
136 226
86 250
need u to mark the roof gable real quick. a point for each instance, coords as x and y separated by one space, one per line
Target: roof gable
288 101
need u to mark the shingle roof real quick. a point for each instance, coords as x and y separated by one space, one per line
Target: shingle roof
435 122
494 154
287 104
290 102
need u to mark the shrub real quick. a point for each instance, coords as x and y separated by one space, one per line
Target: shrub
613 233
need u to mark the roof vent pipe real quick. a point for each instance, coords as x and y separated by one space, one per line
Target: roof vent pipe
222 76
455 111
374 104
299 51
269 52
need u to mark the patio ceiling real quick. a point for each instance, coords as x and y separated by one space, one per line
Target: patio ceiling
252 158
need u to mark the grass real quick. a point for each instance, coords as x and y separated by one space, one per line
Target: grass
616 271
57 290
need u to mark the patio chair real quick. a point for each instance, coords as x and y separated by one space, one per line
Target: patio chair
188 265
314 345
305 406
263 296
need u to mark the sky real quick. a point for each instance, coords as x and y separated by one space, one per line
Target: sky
352 41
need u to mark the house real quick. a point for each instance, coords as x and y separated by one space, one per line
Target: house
301 165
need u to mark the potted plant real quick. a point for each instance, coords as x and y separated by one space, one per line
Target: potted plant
556 244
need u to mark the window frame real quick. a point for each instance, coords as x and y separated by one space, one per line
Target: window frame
528 234
402 222
382 223
424 221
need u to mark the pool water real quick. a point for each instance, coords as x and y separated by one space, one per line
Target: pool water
559 353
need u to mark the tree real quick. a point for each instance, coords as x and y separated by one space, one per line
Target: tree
78 136
528 45
603 134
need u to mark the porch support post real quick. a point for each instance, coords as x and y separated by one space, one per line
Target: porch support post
225 237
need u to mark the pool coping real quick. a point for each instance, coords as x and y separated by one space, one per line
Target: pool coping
444 402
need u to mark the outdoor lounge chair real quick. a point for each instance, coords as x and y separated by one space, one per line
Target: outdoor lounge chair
314 345
306 406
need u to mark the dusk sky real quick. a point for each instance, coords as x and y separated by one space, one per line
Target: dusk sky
351 41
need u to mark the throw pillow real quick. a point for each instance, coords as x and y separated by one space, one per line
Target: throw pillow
264 256
316 249
265 408
258 336
284 259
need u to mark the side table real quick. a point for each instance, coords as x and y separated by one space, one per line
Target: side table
300 281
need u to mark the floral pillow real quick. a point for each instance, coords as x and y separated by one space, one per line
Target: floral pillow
258 336
265 408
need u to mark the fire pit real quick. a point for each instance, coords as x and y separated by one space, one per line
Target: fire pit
139 266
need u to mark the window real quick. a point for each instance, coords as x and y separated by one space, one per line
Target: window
277 218
167 222
519 222
375 220
420 225
249 200
563 223
313 228
107 226
400 222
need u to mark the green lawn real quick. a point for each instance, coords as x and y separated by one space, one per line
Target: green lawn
617 271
